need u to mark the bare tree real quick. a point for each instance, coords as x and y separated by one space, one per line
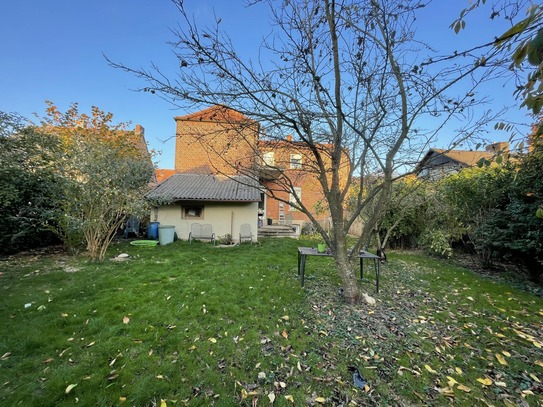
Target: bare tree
349 75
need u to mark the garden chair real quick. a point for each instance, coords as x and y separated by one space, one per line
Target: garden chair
201 232
245 233
132 226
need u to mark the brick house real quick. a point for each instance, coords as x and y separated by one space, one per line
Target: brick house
218 140
296 162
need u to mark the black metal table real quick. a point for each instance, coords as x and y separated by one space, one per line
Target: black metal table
304 252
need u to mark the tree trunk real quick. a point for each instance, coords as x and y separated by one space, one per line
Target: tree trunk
346 271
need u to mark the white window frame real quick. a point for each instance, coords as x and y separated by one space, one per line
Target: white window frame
292 199
295 161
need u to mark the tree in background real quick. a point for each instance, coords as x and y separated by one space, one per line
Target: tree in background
107 171
30 187
351 75
470 197
514 227
411 207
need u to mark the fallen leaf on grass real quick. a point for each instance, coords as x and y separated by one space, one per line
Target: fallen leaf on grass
463 388
160 377
446 391
290 398
284 334
212 340
486 381
126 320
69 388
5 356
285 318
415 372
320 400
458 370
163 403
533 376
451 381
271 396
500 384
122 400
539 363
501 359
427 367
90 344
529 338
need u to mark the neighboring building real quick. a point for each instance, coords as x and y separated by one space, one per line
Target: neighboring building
296 162
223 141
216 140
163 174
438 163
225 203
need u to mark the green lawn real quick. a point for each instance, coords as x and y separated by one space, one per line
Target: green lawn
197 325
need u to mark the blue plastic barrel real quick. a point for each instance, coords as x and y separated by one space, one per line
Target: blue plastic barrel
152 230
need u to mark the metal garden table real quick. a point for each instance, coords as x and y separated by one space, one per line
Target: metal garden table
304 252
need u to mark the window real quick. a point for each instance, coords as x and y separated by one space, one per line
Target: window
192 212
269 158
295 162
292 199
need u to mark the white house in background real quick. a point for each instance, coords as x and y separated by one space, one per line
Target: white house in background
224 202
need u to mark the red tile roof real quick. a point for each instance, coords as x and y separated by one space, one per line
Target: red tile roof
215 114
163 174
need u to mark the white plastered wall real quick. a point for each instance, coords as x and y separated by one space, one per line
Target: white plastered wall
224 217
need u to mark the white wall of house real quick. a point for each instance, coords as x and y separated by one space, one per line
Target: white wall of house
224 217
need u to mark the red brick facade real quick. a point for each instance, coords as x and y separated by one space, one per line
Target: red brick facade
215 141
222 141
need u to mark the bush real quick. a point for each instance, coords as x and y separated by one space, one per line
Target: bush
436 242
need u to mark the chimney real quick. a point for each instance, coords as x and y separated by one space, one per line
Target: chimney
139 129
500 146
289 137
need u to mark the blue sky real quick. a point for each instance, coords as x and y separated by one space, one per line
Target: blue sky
53 50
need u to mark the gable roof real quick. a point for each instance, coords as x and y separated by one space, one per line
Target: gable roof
466 157
196 187
463 157
215 114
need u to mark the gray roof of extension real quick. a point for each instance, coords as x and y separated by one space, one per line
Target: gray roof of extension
197 187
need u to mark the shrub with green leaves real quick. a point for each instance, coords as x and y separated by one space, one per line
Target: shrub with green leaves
436 242
30 189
